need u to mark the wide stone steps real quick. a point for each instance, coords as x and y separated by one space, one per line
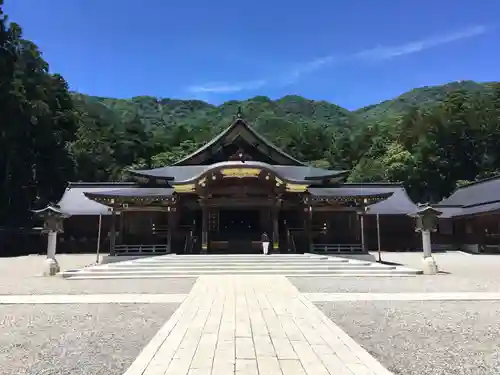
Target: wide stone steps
195 265
248 264
257 259
247 261
244 266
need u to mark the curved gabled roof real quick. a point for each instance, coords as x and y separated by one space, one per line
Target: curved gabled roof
74 201
398 202
178 174
239 128
172 173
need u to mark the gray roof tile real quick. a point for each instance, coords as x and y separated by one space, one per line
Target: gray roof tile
448 212
397 204
484 191
287 172
74 202
134 192
472 199
484 208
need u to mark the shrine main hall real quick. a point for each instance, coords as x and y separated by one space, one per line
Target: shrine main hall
223 196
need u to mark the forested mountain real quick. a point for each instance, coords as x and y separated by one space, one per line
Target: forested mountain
427 96
431 138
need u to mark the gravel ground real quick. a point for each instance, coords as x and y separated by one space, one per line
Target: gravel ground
58 285
32 265
425 338
461 273
21 275
421 283
484 266
76 339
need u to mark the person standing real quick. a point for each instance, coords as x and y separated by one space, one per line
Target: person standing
265 243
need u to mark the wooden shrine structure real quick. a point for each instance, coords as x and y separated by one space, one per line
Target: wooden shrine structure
222 197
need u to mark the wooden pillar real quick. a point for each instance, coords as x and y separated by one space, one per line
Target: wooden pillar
120 230
362 228
112 238
307 227
379 243
124 227
99 229
288 238
310 239
170 224
204 229
276 235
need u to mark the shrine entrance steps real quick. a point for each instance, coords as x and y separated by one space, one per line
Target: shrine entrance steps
171 265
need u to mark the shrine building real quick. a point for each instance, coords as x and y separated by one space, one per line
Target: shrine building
222 197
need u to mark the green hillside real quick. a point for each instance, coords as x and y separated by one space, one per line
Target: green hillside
155 112
426 96
263 112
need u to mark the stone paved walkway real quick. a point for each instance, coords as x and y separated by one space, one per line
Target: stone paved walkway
251 325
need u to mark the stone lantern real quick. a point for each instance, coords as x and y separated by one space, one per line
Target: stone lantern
53 224
426 222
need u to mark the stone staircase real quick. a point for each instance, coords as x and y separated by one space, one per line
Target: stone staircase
277 264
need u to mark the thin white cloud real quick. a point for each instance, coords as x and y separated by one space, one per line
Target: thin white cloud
389 52
307 68
226 87
374 54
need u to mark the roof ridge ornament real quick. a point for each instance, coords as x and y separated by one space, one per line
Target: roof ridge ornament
239 114
240 155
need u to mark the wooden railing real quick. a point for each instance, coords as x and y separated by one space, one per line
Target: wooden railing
132 250
491 249
337 248
442 247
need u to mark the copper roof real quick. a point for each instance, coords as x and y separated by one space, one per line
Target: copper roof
187 173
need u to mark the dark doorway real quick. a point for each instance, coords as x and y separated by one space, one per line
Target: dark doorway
234 223
238 232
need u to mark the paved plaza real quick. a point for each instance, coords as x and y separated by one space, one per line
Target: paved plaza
253 324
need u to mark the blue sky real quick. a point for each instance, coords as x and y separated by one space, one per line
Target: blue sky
352 53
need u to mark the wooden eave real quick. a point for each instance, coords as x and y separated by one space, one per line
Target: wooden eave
117 201
358 199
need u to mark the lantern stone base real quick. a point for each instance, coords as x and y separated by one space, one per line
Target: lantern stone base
429 266
51 267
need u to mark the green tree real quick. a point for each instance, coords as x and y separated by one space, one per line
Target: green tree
175 154
37 123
